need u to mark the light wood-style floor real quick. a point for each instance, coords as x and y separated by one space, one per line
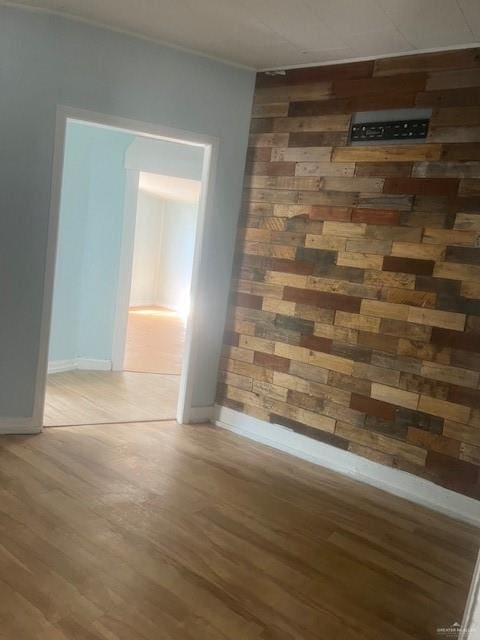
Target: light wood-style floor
161 532
97 397
155 340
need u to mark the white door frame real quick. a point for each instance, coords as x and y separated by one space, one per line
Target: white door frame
210 145
125 268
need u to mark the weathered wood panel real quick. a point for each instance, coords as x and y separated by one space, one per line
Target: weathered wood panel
355 310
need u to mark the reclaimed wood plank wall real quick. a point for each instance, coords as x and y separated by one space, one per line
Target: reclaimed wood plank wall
355 307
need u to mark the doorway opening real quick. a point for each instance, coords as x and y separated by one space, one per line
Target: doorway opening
167 210
131 208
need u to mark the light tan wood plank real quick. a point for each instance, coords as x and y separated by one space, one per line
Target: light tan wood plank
400 153
318 123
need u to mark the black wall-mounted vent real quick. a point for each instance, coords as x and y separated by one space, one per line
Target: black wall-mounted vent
390 130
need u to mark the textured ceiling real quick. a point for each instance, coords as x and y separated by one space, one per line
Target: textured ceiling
273 33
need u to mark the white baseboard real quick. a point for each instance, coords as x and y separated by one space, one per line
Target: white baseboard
201 414
399 483
57 366
16 426
85 364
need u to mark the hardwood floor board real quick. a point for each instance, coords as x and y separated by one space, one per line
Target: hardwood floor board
349 522
155 341
353 521
344 577
103 397
155 530
293 577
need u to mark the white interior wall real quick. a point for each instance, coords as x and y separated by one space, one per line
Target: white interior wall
163 252
147 249
176 255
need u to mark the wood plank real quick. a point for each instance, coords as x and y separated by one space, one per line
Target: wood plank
435 318
418 251
438 61
258 154
446 170
449 98
454 134
318 123
454 271
302 154
367 185
356 321
268 140
270 168
422 186
269 110
269 250
324 169
360 260
454 375
326 106
469 187
456 116
328 243
377 441
384 309
383 169
329 198
283 182
398 397
290 93
361 69
273 196
454 79
316 138
467 222
450 236
405 296
410 83
461 151
447 410
394 153
344 229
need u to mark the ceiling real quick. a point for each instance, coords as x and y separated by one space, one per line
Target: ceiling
169 188
265 34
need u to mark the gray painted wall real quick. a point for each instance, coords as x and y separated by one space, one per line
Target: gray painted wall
46 60
89 241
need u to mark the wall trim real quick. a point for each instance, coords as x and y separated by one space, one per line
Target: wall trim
383 56
201 414
90 364
400 483
99 24
210 146
57 366
85 364
17 426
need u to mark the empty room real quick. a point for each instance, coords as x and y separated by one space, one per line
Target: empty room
240 329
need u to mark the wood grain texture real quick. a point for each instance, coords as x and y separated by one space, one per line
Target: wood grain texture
370 260
91 397
155 530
